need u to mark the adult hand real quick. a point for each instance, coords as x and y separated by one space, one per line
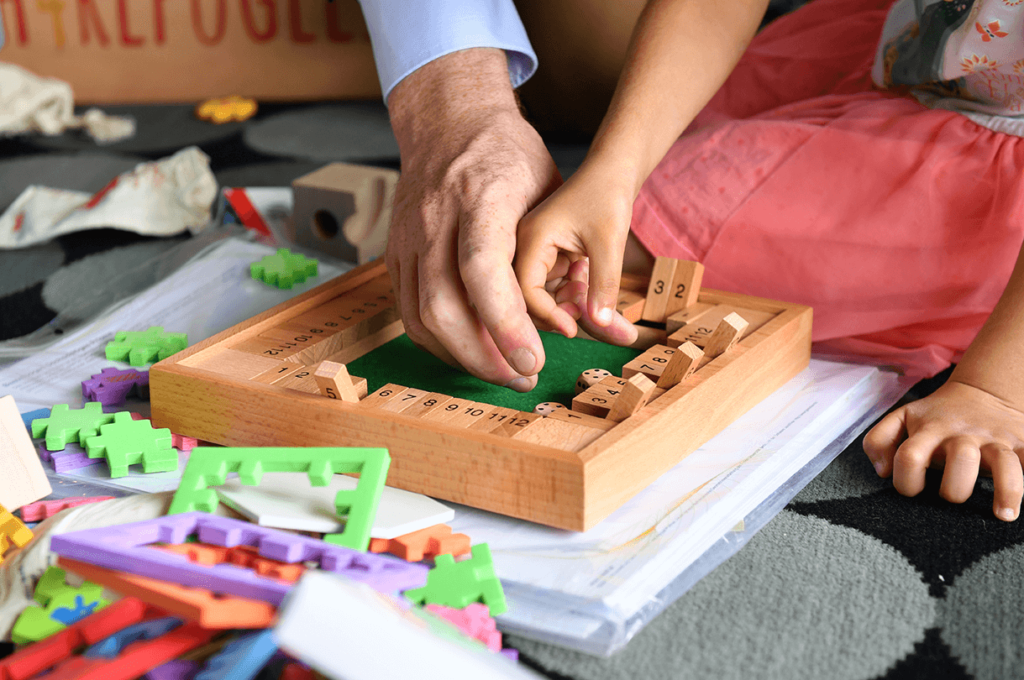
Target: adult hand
472 167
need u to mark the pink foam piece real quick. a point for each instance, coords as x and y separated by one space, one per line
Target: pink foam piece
474 621
183 443
40 510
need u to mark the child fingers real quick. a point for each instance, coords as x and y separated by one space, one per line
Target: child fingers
881 442
1008 479
963 460
605 249
910 462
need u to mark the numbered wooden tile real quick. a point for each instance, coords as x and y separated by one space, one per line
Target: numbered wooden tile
681 366
334 381
675 284
426 403
598 400
382 396
726 335
651 363
637 391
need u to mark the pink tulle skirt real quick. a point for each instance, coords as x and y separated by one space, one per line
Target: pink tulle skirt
800 181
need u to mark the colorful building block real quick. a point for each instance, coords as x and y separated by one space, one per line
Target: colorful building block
180 442
240 659
210 466
111 647
210 610
424 544
71 457
240 556
179 669
127 442
474 621
283 269
12 532
27 418
40 510
57 655
111 386
459 584
139 348
60 605
65 423
124 548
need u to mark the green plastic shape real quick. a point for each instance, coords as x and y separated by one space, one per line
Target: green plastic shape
460 584
60 605
127 442
283 269
139 348
66 424
209 466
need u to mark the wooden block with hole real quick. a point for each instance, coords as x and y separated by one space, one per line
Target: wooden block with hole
552 470
637 391
651 363
674 285
344 210
334 381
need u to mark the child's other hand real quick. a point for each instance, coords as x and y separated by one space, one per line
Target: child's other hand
958 427
569 256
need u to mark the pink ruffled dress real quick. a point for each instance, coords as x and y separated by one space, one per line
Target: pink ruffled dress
805 180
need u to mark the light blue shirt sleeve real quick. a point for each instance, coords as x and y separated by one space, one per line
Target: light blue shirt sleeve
408 34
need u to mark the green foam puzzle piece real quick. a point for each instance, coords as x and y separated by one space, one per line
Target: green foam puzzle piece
64 424
460 584
209 466
127 442
60 606
139 348
283 269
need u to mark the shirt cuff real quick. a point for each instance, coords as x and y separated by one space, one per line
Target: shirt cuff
407 35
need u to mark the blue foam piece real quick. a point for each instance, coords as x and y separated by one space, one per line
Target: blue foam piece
111 647
242 658
27 418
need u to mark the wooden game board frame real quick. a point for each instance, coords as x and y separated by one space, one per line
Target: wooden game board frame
561 488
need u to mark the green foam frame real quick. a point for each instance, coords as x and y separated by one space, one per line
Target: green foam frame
209 466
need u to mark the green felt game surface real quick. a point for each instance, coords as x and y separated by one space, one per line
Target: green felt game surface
402 363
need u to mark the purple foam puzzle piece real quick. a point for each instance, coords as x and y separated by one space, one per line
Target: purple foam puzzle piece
124 548
179 669
113 385
510 653
72 457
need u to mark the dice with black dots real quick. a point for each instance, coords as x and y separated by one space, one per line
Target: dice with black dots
546 408
589 378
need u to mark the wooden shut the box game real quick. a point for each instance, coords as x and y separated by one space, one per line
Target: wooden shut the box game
706 357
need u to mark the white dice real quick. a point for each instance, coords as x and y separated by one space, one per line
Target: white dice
589 378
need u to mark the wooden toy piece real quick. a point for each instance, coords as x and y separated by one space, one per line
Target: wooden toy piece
674 285
547 481
495 419
382 396
516 423
726 335
589 378
406 400
12 532
546 408
635 394
424 544
630 305
459 413
565 415
22 477
700 327
681 365
651 363
335 382
344 210
565 435
210 610
676 321
597 400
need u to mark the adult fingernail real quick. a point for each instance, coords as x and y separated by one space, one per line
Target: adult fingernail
879 468
1007 514
603 316
520 384
522 360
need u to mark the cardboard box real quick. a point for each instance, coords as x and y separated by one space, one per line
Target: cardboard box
135 51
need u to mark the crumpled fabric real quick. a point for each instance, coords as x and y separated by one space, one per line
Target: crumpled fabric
33 104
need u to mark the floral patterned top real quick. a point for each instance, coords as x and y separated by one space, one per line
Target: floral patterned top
965 55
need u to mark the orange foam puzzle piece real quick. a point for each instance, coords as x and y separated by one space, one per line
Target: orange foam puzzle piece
210 610
424 544
242 556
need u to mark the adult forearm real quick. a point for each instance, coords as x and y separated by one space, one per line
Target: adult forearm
995 360
681 53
